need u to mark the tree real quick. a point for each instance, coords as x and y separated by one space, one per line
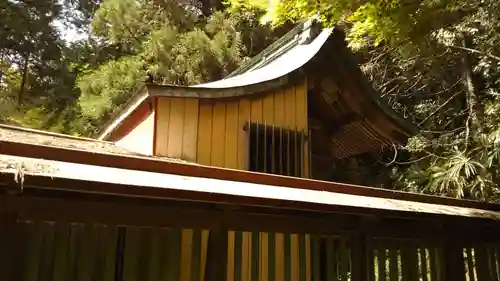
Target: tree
165 42
36 77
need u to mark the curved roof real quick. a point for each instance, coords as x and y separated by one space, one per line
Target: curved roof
305 47
293 55
269 69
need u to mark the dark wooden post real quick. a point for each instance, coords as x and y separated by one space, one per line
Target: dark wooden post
362 258
409 260
217 254
481 255
7 245
453 260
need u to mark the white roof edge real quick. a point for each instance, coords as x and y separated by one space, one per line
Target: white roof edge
65 170
124 114
288 62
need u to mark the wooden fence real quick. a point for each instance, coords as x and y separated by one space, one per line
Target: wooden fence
96 252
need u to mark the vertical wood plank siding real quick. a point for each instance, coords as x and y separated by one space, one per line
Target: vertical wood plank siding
211 132
222 141
62 251
176 128
83 252
268 256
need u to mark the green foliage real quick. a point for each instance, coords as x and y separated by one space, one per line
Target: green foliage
164 43
437 62
111 84
74 87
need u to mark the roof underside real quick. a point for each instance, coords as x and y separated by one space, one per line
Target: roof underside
168 183
77 170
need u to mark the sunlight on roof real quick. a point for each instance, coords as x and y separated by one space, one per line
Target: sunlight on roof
91 173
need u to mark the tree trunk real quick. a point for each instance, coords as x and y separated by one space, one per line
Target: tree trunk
471 87
23 82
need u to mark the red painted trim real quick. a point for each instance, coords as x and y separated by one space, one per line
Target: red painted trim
155 126
131 122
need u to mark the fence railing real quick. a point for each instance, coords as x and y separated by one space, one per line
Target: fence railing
75 251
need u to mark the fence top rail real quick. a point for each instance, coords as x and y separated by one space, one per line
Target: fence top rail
20 142
142 177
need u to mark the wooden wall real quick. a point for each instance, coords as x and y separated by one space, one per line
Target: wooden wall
222 142
176 127
60 251
140 138
268 256
76 251
210 132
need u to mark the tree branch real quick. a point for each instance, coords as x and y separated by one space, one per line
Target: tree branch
439 108
476 52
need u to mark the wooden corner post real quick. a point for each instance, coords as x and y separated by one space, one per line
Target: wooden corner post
217 254
8 243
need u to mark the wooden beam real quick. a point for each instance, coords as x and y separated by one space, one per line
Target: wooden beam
8 245
217 254
344 120
360 253
455 265
193 189
155 214
162 166
114 213
219 92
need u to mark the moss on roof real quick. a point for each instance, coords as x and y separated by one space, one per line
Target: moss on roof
37 137
29 136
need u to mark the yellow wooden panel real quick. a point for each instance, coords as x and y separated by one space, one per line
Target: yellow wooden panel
256 110
204 246
230 256
243 118
176 127
245 256
280 257
290 107
218 135
264 250
204 134
162 126
268 109
249 253
190 130
279 108
294 259
231 138
301 106
186 253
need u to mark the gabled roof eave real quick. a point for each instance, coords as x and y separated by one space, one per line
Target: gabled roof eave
137 99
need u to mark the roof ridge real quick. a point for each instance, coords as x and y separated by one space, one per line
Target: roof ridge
275 49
